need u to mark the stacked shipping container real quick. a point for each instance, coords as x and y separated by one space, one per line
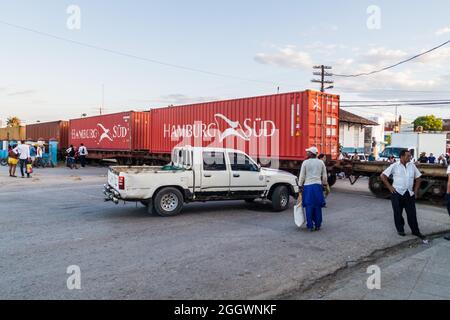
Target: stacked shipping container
125 131
56 130
281 125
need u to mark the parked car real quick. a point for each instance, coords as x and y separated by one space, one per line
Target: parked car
200 174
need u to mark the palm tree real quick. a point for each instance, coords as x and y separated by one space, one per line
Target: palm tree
13 122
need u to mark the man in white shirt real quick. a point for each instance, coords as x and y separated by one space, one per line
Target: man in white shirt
23 151
404 191
448 197
82 153
313 176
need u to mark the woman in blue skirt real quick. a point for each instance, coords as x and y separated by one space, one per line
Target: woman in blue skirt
312 179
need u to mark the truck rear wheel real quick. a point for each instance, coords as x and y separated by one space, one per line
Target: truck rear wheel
168 202
332 178
377 187
280 198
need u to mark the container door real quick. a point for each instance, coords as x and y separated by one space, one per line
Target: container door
324 123
316 127
295 145
215 176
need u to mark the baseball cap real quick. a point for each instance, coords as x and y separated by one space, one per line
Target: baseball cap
313 150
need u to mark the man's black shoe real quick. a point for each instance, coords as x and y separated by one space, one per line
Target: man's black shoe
420 236
402 233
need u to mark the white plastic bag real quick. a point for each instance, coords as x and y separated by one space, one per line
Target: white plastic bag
299 217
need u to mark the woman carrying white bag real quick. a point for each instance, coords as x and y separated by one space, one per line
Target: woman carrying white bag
312 180
299 215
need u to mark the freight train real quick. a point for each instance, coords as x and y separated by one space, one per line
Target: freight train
273 129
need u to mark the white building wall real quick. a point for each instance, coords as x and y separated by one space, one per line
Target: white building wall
351 136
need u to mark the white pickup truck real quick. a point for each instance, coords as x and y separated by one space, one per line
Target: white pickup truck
200 174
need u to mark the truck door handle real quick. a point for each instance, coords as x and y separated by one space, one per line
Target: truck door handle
236 175
207 175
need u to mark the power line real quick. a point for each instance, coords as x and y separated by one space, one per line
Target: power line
351 90
397 104
154 61
394 101
392 66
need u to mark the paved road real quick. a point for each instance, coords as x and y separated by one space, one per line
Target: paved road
230 250
415 273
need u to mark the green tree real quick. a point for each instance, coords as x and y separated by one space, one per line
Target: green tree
13 122
428 123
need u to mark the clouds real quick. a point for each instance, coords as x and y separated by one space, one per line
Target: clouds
177 99
21 93
382 55
424 73
442 31
287 57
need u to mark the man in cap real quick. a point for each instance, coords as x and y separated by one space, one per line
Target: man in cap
313 176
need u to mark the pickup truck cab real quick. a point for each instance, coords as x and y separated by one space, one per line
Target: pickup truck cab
200 174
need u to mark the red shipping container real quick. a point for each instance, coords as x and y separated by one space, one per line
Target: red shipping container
274 126
56 130
125 131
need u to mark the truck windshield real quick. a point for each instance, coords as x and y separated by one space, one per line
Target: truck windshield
392 152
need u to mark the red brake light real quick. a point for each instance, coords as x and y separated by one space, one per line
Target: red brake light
121 183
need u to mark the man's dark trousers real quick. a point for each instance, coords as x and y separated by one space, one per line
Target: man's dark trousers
448 202
23 167
407 202
83 161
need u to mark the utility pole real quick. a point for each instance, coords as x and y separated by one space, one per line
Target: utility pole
103 99
323 74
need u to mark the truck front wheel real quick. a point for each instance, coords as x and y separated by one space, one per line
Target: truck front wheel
280 198
168 202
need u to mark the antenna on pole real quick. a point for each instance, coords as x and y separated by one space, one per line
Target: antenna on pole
103 99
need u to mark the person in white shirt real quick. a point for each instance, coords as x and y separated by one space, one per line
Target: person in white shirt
448 197
313 176
82 153
39 154
23 151
404 191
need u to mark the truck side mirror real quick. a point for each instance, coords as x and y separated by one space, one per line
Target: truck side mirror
259 167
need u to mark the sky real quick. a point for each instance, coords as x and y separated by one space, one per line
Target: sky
56 64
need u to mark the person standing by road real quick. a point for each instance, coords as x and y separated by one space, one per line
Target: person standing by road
432 159
82 152
448 197
313 177
71 157
23 150
404 191
423 158
32 154
39 154
12 161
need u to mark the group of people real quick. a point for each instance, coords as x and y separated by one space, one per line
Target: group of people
443 159
74 155
26 156
313 180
